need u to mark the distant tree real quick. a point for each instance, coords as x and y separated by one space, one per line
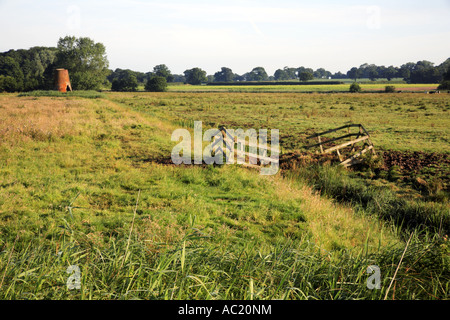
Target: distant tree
140 76
405 70
445 84
339 75
238 77
126 82
291 73
13 75
389 89
156 84
354 73
32 63
179 78
390 73
305 76
281 74
8 84
257 74
162 70
299 70
425 72
444 66
355 87
321 73
224 75
86 61
373 74
195 76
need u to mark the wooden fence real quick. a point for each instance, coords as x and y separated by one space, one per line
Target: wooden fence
362 136
246 152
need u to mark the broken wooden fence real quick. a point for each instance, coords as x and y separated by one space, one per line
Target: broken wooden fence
249 152
362 136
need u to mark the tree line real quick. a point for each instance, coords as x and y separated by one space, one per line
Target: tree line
86 60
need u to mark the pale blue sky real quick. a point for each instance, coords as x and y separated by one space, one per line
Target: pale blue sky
240 35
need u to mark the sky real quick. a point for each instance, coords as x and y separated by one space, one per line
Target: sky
241 35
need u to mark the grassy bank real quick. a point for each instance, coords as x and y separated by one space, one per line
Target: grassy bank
82 184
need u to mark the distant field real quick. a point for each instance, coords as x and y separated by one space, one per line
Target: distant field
399 121
300 88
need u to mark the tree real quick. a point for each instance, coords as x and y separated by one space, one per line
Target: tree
27 67
389 89
321 73
299 70
305 76
425 72
257 74
8 84
355 87
12 74
390 72
162 70
291 73
373 74
179 78
445 84
156 84
281 74
225 75
354 73
86 61
339 75
405 70
126 81
195 76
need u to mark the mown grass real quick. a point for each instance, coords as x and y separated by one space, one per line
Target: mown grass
84 187
299 88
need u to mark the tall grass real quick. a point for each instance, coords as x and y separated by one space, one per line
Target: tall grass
196 267
335 182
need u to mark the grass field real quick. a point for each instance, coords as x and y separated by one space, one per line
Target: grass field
406 121
82 183
301 88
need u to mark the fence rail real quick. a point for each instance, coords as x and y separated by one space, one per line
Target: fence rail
361 136
242 151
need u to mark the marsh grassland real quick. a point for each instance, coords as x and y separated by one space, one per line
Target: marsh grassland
84 180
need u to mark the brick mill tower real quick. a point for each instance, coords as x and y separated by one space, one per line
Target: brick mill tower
62 81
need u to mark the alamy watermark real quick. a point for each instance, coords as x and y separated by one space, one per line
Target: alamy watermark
374 281
225 144
74 281
374 17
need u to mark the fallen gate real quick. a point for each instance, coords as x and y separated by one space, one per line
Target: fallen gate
245 152
326 145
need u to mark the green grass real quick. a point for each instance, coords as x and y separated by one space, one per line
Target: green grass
366 86
82 184
90 94
206 269
412 122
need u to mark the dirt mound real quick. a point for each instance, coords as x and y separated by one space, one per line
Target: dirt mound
415 161
292 160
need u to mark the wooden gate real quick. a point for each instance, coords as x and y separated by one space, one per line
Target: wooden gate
248 153
326 145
